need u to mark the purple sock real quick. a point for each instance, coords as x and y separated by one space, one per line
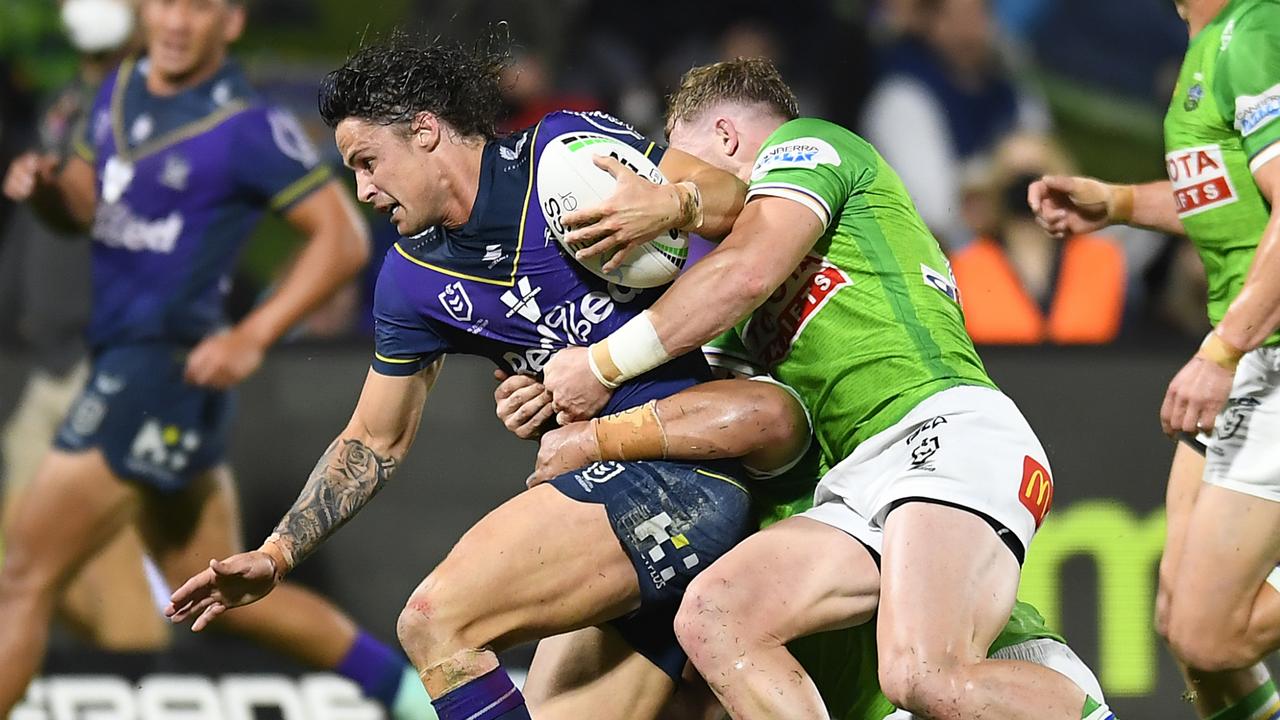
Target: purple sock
491 696
376 668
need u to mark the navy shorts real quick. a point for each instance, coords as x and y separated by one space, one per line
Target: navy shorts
673 520
153 428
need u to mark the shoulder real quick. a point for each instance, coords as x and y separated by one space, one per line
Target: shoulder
1261 17
562 121
266 125
808 143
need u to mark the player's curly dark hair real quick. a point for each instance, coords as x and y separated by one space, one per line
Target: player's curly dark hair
392 80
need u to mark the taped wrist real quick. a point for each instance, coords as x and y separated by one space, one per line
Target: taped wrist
1220 352
632 350
690 197
1120 207
280 556
634 434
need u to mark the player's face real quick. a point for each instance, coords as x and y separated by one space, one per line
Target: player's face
392 173
189 38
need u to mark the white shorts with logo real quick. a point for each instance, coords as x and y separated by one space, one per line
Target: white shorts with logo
967 446
1244 452
1049 653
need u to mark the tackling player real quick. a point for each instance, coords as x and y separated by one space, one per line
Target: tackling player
178 161
933 472
1219 606
477 272
763 422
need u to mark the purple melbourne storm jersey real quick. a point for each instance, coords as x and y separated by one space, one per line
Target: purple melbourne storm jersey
501 287
182 180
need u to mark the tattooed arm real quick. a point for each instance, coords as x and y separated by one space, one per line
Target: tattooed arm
354 468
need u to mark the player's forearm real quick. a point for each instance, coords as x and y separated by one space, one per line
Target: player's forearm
756 421
1255 313
720 199
346 477
1152 206
331 257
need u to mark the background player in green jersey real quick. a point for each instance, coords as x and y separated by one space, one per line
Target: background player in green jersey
1218 606
932 469
765 422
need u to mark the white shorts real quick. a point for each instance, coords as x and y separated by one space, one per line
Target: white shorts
967 446
1049 653
1242 454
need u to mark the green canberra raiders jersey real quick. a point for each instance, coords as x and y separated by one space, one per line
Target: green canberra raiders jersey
1223 123
869 324
842 663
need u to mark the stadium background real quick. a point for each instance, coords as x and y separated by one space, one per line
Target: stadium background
1102 70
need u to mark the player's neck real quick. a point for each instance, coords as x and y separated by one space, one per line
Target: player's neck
1202 12
462 179
158 84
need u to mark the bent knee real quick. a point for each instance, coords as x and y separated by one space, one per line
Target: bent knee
921 683
432 618
719 611
1218 649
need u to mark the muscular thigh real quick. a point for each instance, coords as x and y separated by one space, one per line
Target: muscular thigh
1232 544
538 565
796 578
184 530
948 583
72 507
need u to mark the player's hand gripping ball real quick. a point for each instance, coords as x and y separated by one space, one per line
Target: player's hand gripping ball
579 173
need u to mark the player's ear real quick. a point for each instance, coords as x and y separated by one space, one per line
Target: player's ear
424 130
235 22
727 136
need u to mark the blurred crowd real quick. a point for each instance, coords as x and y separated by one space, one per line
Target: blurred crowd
968 100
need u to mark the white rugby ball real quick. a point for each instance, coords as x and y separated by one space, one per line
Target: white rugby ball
568 180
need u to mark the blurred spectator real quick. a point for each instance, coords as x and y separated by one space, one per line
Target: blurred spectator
1018 285
945 96
530 92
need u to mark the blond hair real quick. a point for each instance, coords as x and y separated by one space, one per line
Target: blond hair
748 81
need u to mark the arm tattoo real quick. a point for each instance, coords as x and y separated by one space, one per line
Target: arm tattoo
347 476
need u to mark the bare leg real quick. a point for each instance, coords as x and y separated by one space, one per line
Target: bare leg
73 507
594 673
796 578
948 587
202 523
1210 692
1223 615
108 601
539 565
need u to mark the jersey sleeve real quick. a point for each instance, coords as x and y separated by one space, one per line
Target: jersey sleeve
564 121
275 160
404 341
1248 81
815 163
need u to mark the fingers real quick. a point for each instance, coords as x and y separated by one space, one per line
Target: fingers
1059 183
511 384
500 375
611 165
583 218
1167 410
208 616
588 235
533 426
193 591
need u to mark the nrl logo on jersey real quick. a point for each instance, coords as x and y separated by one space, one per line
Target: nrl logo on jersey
455 301
1256 111
807 153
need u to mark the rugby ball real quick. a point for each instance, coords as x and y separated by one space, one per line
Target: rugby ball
568 179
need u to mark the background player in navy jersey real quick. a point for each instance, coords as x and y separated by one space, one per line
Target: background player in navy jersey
612 545
179 160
